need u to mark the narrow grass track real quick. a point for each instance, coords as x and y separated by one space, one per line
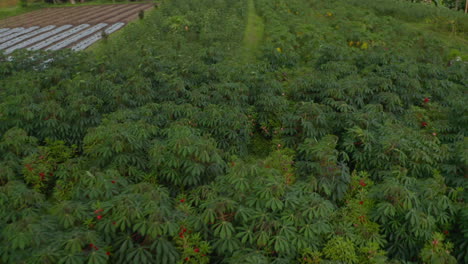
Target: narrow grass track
253 34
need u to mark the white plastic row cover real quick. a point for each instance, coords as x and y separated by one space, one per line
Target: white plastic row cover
17 34
9 31
25 36
4 30
89 41
58 37
37 39
77 37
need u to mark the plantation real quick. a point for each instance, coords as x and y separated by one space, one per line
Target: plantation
242 131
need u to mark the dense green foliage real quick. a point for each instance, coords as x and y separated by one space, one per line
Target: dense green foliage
454 4
338 137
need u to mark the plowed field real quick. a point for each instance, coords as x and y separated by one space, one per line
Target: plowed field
66 27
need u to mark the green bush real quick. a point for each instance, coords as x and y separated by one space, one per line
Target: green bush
343 140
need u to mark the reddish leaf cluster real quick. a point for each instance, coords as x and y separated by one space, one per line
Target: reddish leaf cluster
359 143
99 217
182 232
362 183
28 166
362 218
92 246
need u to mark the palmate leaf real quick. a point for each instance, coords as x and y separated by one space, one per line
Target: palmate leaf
21 240
171 228
44 255
263 237
166 253
412 217
321 227
224 230
139 255
209 215
274 204
301 243
74 246
244 213
281 244
97 257
245 235
72 259
155 229
240 183
125 245
107 226
384 211
228 245
248 257
67 220
308 231
288 231
141 227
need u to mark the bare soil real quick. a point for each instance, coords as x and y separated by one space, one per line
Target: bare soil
76 15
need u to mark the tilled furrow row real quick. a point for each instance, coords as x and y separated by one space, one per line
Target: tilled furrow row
17 20
105 16
63 16
122 16
25 20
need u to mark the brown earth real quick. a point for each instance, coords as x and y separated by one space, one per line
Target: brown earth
8 3
92 14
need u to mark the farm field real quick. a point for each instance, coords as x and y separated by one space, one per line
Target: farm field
8 3
67 27
237 132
